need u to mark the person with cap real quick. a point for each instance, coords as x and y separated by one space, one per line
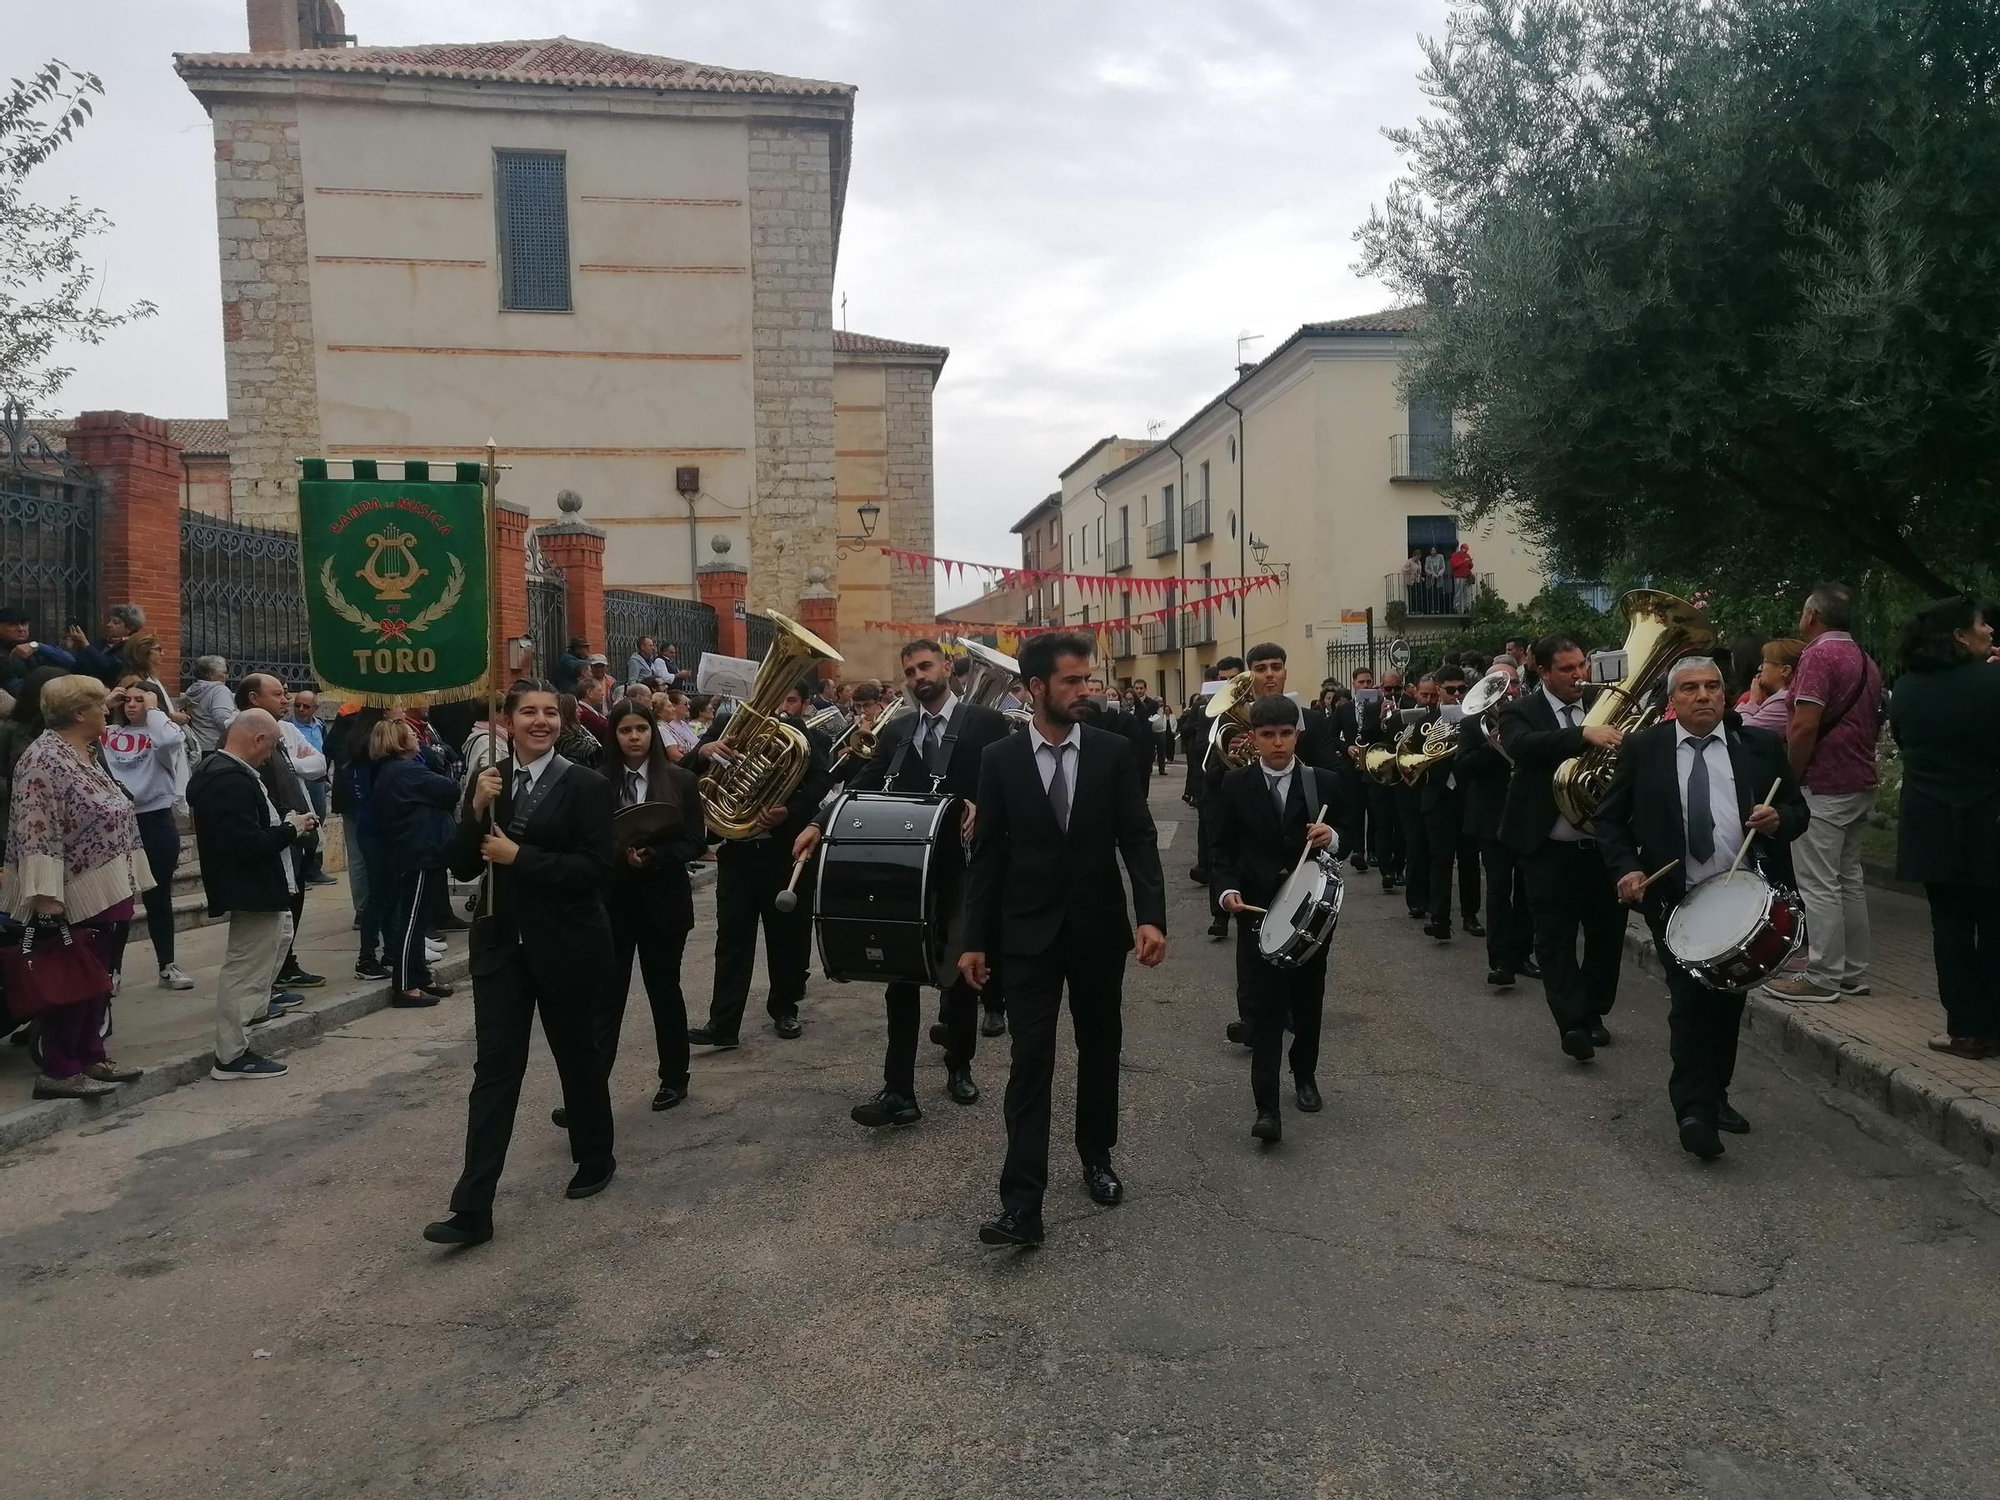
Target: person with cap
20 654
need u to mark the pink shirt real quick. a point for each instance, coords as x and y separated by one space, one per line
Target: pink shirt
1775 712
1828 673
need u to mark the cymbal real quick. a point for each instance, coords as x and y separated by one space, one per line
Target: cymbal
643 822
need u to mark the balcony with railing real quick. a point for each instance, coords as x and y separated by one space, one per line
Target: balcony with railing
1417 457
1160 635
1118 554
1195 522
1429 598
1160 538
1118 643
1197 628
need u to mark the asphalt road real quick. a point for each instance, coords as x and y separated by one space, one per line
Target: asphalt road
1483 1271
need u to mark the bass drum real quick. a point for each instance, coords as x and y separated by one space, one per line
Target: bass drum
891 881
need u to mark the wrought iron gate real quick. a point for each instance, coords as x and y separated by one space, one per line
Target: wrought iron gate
548 609
242 598
48 531
683 623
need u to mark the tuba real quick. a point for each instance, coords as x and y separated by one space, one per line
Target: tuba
1229 741
993 673
767 758
1660 629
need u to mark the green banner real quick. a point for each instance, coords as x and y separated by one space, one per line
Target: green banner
395 580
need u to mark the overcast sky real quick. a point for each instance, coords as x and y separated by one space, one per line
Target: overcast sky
1087 202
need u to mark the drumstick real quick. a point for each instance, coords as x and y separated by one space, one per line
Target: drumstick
787 899
1670 864
1318 817
1246 906
1750 833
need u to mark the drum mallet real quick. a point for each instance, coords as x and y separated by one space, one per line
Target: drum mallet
788 898
1750 833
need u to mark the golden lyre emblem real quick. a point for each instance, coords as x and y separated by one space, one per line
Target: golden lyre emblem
391 578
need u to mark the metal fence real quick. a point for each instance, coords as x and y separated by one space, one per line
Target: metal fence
548 608
48 531
242 598
1411 651
682 623
1435 598
758 631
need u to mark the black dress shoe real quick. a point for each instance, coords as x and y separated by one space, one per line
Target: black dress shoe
437 991
1576 1042
708 1036
559 1117
937 1033
413 1000
1417 914
959 1085
993 1022
788 1025
1238 1032
1438 930
1698 1135
460 1229
1102 1184
1500 979
1527 968
1359 862
1198 875
1269 1128
1389 883
1012 1227
1726 1118
669 1095
1219 928
886 1108
1308 1096
591 1178
1599 1037
1473 927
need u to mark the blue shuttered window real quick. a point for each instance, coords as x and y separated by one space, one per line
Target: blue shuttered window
534 231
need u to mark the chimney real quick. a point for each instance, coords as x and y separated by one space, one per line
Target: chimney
1242 370
274 25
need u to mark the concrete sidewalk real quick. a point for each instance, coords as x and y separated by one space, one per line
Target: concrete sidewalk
1875 1045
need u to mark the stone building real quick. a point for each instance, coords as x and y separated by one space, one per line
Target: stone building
616 265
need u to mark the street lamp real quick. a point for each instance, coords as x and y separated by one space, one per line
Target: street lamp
868 513
1260 549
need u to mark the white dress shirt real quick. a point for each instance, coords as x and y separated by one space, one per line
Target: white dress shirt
1568 716
1721 800
1048 752
632 784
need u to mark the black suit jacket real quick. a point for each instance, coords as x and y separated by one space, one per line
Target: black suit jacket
1251 851
1029 876
1641 826
659 892
242 851
1316 746
1483 774
550 900
976 728
1537 743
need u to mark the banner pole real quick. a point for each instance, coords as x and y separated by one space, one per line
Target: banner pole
496 648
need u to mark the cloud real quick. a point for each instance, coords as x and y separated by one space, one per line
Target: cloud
1087 203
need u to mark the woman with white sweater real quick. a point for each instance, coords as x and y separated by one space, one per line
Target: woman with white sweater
141 746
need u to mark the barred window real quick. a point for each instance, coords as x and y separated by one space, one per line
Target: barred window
534 230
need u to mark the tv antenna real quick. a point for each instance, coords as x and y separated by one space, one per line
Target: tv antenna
1243 338
1153 429
843 312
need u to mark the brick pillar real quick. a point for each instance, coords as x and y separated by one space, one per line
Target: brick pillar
578 549
511 584
139 537
723 587
819 608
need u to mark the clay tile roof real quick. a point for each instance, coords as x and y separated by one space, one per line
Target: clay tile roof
1393 320
199 437
865 343
560 61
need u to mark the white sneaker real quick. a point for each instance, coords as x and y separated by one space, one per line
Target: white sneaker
117 979
433 951
171 978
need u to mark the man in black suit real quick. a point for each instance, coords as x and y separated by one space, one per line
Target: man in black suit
1686 792
938 747
1220 676
1409 804
1359 834
1378 724
1441 797
1483 772
1058 807
750 874
1264 821
1569 890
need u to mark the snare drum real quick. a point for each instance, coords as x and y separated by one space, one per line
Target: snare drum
1735 930
1303 914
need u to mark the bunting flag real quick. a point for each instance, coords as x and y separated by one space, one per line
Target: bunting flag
1238 588
1104 584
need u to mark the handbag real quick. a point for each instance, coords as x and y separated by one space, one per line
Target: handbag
52 966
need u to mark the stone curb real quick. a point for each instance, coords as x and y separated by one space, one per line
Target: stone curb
337 1008
1942 1113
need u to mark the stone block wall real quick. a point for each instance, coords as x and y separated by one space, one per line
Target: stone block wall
267 326
792 513
912 496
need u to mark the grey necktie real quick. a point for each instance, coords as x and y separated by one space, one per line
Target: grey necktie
1701 820
1279 786
1059 788
933 739
517 817
1569 716
631 788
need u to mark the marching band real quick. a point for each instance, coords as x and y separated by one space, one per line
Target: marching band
977 824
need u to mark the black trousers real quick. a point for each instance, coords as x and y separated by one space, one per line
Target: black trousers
1416 848
1163 751
1702 1028
1444 828
504 1002
1510 925
748 877
161 839
1270 998
1570 893
1965 942
1095 979
409 920
1204 834
1358 831
959 1007
1387 823
659 947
